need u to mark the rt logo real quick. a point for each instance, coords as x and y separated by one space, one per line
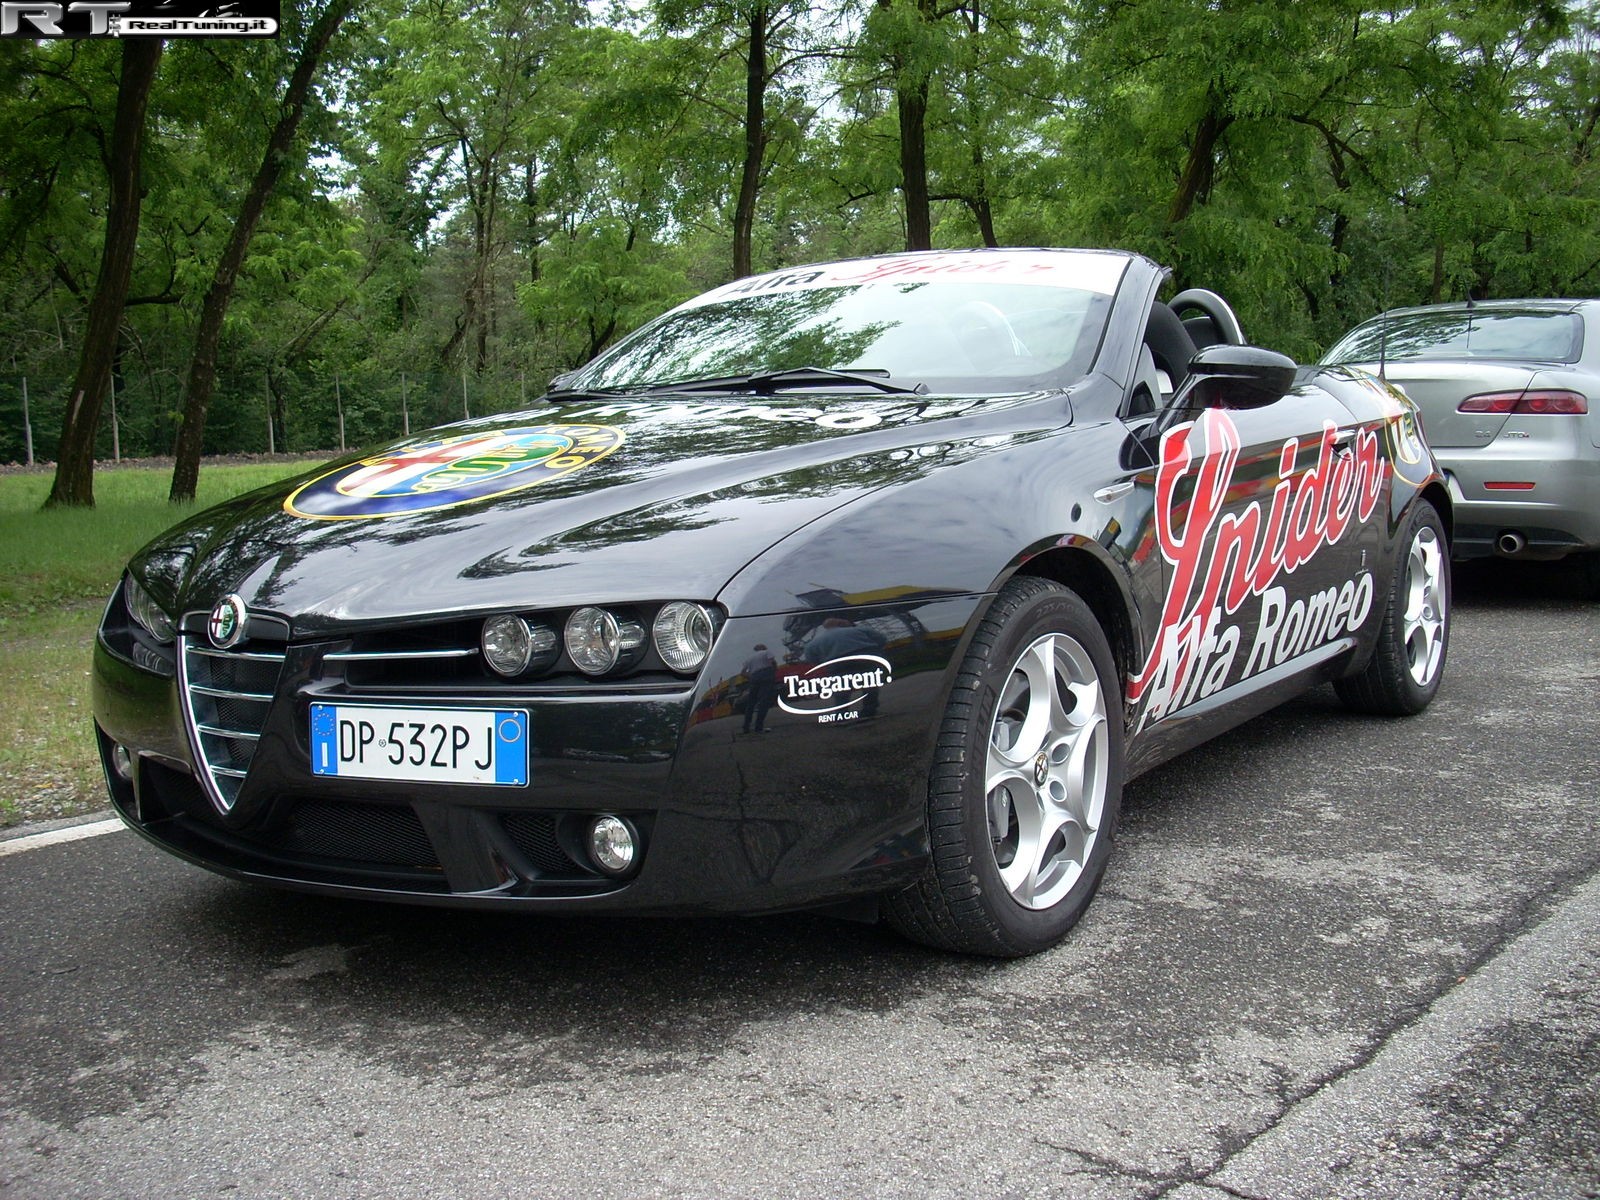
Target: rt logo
138 18
45 19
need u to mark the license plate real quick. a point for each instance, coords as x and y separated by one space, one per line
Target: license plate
420 745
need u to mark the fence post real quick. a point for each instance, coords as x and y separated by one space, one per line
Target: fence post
27 425
116 428
272 445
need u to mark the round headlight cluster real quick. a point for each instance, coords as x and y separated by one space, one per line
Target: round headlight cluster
510 645
146 612
597 640
683 633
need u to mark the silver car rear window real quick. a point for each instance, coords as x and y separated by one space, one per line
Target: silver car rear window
1459 334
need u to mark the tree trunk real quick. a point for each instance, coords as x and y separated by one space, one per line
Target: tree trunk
755 140
1195 185
74 481
203 364
982 209
912 103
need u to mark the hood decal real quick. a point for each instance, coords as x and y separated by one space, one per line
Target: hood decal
436 473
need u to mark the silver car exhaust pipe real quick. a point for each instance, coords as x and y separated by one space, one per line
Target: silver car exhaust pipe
1511 543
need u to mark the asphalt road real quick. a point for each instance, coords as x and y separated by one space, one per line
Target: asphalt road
1334 956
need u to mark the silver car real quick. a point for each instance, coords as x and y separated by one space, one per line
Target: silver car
1508 391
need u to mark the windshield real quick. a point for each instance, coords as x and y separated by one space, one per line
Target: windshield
1460 333
950 336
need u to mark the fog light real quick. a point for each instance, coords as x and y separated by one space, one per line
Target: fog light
122 762
613 845
683 633
507 644
594 640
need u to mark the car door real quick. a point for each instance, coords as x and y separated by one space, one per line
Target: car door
1261 515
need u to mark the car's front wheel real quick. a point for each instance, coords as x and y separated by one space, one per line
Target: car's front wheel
1026 781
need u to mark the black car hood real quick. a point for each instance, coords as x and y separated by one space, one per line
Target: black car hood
684 494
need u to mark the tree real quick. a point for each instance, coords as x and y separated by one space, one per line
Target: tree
766 40
203 363
456 109
74 479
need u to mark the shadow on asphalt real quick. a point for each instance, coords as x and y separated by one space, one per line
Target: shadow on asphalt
1499 583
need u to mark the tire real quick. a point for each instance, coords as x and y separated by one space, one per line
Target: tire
1036 711
1403 674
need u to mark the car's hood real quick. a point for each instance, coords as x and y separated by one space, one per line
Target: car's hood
600 502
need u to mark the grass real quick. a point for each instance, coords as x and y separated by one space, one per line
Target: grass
68 554
56 570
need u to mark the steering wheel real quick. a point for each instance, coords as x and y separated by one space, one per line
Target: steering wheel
986 333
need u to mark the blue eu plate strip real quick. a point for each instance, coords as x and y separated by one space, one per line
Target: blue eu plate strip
324 740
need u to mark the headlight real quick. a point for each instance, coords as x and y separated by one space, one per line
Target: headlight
507 644
146 612
511 645
683 633
594 640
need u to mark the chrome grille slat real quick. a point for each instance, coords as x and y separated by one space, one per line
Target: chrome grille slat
393 655
236 734
244 655
226 698
229 694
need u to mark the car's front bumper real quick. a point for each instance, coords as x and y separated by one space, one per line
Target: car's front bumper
804 814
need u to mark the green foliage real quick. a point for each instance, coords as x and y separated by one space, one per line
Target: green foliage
499 188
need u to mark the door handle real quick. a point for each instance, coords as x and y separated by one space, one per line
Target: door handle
1114 492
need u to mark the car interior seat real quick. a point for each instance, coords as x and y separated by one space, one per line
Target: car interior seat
1202 331
1170 346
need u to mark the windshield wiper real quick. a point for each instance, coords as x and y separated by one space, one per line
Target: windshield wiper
581 393
792 377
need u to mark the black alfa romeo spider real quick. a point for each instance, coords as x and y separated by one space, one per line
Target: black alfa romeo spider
861 586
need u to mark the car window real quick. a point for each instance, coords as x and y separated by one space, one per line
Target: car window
1462 334
952 336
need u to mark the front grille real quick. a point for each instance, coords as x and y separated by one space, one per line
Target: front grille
226 694
535 835
390 835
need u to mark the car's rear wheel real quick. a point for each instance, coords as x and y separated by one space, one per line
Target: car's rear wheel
1407 664
1026 782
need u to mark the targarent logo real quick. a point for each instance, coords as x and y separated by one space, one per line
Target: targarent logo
833 687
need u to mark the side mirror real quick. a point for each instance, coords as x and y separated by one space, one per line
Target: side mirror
1239 377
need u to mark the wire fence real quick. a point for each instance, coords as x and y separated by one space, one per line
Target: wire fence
291 411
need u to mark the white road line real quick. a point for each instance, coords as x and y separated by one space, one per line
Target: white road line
54 837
